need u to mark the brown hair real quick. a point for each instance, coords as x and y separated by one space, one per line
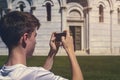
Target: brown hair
14 24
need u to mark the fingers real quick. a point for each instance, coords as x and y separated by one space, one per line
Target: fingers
63 39
67 33
68 40
53 42
52 37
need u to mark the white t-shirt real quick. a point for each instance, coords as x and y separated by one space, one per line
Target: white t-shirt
22 72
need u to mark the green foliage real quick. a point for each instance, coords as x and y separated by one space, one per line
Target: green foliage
93 67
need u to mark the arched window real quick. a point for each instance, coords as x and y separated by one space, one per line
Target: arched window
118 11
101 13
48 8
21 7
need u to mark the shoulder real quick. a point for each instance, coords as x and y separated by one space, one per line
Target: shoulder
34 68
27 73
43 74
32 73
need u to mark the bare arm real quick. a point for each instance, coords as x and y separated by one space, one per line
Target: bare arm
52 53
69 47
49 61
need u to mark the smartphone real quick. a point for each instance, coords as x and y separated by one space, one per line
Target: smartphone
59 35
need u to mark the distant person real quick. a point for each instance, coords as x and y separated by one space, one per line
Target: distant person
18 32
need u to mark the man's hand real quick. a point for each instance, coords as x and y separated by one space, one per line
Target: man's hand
54 46
69 48
67 42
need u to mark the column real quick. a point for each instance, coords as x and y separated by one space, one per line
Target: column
33 6
63 14
87 29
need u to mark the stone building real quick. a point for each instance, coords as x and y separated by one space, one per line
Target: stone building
94 24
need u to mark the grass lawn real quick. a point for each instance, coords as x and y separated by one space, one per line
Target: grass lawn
93 67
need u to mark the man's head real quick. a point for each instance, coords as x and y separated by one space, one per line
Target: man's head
14 25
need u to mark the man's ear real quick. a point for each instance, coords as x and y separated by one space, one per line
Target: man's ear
24 39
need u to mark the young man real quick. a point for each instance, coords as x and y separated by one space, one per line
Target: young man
18 32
